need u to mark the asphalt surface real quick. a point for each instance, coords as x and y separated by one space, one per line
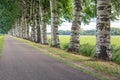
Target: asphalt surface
22 62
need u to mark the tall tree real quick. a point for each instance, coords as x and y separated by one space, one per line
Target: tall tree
43 10
38 22
103 49
32 13
74 45
27 18
54 24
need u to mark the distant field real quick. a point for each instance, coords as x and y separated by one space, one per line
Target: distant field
1 42
87 45
115 40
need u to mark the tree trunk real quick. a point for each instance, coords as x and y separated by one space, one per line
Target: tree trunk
27 31
38 23
26 21
22 26
33 21
18 25
43 24
74 45
25 27
54 25
103 49
28 17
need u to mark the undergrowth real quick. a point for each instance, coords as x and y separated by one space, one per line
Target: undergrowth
88 48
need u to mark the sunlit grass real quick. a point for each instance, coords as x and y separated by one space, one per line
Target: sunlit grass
88 39
1 42
88 45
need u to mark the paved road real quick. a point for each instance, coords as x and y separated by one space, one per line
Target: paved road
22 62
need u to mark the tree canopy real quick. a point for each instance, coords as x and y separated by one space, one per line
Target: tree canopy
11 9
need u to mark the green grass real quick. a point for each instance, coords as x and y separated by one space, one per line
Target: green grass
87 46
100 69
1 42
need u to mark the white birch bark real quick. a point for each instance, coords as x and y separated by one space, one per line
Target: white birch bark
38 22
43 24
74 45
54 24
103 49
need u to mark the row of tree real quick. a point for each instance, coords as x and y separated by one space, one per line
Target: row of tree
114 31
33 16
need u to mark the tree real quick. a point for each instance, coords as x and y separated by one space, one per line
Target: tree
103 49
33 17
54 25
27 18
88 32
115 31
64 32
44 4
75 29
38 22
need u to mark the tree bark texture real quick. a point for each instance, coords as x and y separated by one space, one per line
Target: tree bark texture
74 45
43 24
54 25
103 49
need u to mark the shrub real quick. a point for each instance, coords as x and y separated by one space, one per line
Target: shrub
85 49
65 46
116 54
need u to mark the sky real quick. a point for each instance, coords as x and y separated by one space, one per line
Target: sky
92 25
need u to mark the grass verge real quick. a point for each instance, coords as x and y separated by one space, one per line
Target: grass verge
100 69
1 42
88 45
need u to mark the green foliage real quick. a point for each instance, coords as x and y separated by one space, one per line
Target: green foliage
115 9
114 31
88 11
65 46
8 13
65 9
87 50
62 32
88 32
116 51
10 10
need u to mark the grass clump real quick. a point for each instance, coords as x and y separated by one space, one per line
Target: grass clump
116 54
1 42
